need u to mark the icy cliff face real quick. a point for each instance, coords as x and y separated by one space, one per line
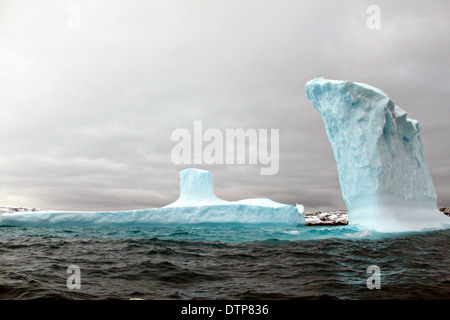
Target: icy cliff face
383 173
197 204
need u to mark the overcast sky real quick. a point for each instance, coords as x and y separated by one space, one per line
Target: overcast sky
86 114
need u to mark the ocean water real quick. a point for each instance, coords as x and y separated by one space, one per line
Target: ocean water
222 262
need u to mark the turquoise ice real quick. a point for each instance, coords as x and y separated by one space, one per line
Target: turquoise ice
383 173
197 204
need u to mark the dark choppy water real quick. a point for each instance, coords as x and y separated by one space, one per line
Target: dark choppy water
233 262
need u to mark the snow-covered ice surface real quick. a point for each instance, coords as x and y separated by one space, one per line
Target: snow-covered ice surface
197 204
383 173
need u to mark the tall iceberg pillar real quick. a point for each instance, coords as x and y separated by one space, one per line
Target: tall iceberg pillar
196 188
383 173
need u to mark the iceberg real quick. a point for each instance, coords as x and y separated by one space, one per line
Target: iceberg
196 204
196 189
384 177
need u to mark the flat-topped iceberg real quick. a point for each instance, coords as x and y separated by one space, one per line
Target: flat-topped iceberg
383 173
197 204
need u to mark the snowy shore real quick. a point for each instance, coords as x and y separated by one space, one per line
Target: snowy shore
326 218
18 209
445 210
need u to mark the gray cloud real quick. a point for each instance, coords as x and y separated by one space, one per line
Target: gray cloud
86 115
